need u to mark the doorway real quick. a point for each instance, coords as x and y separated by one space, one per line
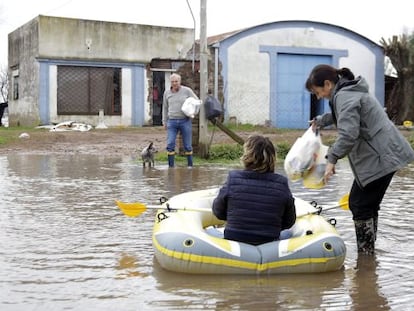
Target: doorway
294 106
158 88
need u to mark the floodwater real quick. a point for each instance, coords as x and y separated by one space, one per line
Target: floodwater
64 245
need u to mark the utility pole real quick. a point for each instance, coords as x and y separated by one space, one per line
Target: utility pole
203 122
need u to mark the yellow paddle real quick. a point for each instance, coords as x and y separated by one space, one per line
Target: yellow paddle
343 203
136 208
131 209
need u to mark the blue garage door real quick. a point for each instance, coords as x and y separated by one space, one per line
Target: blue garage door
292 108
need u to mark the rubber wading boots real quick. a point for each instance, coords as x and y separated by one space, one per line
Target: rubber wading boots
189 155
171 157
365 236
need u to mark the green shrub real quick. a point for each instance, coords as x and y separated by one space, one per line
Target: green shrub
225 152
282 150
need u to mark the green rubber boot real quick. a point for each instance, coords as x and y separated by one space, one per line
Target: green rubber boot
365 236
171 158
189 155
189 160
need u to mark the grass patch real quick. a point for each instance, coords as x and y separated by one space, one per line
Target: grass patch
223 154
11 134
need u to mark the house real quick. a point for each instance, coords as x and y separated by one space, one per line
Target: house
264 69
69 69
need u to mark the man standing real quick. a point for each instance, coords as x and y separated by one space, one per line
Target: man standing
174 120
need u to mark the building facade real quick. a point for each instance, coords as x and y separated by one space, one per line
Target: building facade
64 69
264 69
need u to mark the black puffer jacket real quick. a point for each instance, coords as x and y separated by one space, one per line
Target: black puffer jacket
257 206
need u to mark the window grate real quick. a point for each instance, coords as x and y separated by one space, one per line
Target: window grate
86 90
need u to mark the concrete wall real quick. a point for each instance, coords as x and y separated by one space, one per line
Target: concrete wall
53 40
98 40
23 47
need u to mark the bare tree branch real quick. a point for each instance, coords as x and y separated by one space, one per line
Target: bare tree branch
400 103
4 84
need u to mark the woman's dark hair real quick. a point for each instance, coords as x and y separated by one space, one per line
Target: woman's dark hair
321 73
259 154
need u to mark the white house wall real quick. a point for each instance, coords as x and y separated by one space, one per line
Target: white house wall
246 71
45 42
248 84
125 118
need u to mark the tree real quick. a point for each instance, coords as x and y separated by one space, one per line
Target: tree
4 85
400 103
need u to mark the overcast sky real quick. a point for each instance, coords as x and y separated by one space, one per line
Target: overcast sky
372 19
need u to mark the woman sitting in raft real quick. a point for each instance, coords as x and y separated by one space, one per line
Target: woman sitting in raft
256 202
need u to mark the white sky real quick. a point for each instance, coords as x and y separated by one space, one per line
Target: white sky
372 19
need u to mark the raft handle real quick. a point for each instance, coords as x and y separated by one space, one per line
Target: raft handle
161 216
332 221
317 207
163 199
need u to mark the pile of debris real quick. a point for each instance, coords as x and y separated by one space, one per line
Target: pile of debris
67 126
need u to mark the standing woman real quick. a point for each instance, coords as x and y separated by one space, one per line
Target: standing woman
174 120
375 147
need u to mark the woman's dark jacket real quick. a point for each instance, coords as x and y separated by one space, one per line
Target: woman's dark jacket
256 206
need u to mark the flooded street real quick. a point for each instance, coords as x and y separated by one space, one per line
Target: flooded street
65 245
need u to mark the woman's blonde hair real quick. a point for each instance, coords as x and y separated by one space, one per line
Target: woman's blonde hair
259 154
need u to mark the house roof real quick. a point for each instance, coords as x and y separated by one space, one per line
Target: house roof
221 37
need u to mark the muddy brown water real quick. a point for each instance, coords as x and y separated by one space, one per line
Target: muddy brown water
64 245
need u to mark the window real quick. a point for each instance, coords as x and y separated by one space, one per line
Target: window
86 90
15 86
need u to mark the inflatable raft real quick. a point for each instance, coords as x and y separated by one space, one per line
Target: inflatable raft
186 239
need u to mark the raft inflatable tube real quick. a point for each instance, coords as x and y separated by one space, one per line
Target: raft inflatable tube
188 241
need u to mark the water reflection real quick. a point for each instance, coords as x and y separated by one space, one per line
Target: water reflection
65 245
365 290
241 292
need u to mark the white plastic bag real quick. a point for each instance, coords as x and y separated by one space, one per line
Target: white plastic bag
313 178
301 157
191 107
306 160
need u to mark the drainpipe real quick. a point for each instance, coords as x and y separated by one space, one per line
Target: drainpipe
216 48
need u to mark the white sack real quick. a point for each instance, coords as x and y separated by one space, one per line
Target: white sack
191 107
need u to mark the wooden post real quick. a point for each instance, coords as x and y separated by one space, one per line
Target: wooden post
203 122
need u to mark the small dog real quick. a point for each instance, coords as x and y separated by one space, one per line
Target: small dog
147 155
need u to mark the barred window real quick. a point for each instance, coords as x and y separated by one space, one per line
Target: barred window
86 90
